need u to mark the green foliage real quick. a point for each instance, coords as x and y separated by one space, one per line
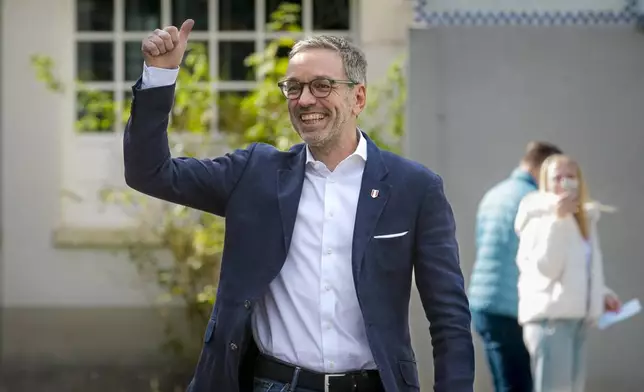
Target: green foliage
188 271
262 116
97 108
44 67
384 116
193 105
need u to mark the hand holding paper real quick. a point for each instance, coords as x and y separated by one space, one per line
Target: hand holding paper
628 310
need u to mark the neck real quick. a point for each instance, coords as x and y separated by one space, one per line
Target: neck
531 170
331 154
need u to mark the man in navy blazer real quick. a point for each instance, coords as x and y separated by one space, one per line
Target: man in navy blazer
321 241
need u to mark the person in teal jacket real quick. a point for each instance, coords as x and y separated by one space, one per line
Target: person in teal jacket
493 285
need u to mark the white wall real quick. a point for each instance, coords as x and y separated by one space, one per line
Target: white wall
36 125
480 94
383 33
525 5
469 110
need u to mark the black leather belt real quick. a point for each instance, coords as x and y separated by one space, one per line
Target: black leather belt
359 381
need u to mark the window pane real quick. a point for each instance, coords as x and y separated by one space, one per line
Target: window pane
95 15
231 60
142 15
133 60
94 61
228 103
193 9
331 15
282 51
196 61
192 110
236 15
95 111
273 5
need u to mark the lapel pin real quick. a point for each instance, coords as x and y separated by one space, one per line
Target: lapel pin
374 193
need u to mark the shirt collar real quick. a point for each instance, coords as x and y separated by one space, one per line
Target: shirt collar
360 151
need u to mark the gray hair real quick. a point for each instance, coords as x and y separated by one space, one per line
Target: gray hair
353 59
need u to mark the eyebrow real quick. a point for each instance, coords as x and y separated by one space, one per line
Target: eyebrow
313 78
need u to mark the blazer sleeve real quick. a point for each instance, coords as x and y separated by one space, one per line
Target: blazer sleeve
204 184
440 283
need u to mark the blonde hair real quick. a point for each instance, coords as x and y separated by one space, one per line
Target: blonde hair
544 186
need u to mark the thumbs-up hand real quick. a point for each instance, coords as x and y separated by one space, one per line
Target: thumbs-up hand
165 48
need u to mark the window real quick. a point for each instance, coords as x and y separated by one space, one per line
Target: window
109 34
108 62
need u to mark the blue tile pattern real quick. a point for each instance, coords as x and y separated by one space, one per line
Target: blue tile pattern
424 16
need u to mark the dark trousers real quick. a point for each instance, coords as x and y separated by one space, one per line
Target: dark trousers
507 357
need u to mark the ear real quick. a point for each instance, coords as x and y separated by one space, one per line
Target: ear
360 96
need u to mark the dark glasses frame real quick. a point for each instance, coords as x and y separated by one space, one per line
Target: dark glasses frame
285 84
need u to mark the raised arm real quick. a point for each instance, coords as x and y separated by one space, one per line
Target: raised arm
441 287
204 184
543 236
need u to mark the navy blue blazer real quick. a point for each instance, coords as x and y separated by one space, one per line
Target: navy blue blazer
257 190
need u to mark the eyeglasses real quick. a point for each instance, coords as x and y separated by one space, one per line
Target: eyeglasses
319 88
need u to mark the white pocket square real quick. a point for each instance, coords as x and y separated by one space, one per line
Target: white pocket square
394 235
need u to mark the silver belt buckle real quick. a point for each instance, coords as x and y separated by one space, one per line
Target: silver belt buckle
327 380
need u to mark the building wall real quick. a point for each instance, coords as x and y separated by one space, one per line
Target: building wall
479 94
58 301
518 6
383 33
35 274
1 263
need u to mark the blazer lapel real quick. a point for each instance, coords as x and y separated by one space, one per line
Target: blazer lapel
289 190
374 193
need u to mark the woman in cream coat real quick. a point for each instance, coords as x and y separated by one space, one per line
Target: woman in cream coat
561 277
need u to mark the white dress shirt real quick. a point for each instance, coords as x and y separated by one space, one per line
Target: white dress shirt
310 315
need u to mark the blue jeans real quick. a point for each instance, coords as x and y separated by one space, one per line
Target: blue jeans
558 351
264 385
507 357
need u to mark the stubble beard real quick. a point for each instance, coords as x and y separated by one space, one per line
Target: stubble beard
324 138
327 138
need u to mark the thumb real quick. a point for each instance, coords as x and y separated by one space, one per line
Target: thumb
185 30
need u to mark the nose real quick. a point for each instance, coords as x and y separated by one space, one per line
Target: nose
307 99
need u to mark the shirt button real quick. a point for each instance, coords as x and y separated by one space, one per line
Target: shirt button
327 287
329 251
233 346
247 304
330 213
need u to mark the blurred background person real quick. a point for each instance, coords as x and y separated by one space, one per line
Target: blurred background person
493 284
561 282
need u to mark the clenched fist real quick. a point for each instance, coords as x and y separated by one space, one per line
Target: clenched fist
567 204
165 48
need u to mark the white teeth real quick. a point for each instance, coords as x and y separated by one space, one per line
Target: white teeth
312 116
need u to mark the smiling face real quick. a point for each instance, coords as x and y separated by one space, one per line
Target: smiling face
322 121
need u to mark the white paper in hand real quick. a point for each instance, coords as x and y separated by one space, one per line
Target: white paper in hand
628 310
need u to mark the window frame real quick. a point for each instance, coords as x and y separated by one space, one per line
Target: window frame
89 157
119 37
